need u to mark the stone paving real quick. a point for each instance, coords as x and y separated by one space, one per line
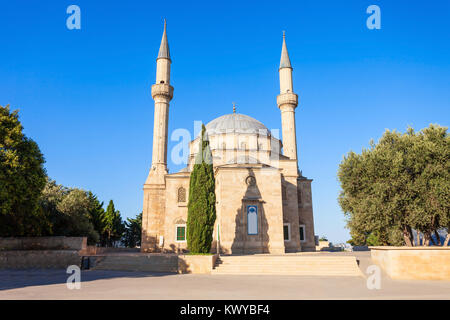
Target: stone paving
51 284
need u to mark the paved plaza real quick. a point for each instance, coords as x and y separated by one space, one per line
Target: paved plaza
51 284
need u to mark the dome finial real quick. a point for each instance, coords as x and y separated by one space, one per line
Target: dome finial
234 107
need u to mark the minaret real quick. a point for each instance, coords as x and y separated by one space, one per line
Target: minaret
162 93
287 101
154 188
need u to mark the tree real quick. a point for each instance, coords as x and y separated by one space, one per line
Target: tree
22 179
133 231
114 226
74 207
68 211
202 200
400 184
97 215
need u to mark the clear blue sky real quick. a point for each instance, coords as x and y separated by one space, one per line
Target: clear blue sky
84 95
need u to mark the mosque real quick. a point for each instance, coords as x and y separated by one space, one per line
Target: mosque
263 202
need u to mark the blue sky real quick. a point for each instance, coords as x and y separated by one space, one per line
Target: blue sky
84 95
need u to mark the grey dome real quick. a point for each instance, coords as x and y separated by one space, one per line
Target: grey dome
236 123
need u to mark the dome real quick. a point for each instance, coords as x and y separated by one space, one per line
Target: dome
236 123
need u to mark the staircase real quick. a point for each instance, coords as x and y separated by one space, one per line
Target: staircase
288 265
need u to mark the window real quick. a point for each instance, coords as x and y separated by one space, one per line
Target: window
181 194
243 145
287 231
252 219
302 233
181 233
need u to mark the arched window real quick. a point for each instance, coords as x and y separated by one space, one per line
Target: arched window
252 219
181 194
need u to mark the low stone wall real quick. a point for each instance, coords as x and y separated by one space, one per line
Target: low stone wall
144 262
39 259
43 243
417 263
153 262
41 252
93 250
196 263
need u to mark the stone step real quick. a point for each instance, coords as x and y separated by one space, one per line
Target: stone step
306 274
324 268
281 262
288 265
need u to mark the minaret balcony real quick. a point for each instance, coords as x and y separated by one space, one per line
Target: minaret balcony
162 89
287 98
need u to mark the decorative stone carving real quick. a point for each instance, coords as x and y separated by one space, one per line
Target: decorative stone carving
181 194
287 98
162 89
250 181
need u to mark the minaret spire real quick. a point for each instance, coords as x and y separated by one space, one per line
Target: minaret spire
164 51
285 62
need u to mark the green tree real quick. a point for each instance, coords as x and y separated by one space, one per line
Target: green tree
400 184
68 210
97 215
75 209
114 226
202 200
22 179
133 231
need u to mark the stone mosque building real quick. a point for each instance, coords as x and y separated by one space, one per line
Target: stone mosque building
263 203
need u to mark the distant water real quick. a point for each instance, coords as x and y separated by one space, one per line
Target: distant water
442 236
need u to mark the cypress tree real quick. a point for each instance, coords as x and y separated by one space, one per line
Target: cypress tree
202 200
114 227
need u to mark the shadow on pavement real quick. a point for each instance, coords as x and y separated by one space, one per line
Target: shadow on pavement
13 279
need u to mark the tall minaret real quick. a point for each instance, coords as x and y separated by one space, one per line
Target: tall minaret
287 101
162 93
153 211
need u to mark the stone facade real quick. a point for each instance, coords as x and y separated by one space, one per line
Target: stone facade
264 204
